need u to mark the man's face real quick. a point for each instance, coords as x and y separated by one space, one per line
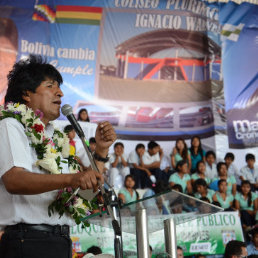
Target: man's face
154 150
140 151
47 99
180 253
255 240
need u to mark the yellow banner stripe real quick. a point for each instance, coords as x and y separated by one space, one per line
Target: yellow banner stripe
79 15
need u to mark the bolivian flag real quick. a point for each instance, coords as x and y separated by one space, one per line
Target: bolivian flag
78 14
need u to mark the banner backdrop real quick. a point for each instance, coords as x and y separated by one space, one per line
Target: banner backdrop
206 235
153 68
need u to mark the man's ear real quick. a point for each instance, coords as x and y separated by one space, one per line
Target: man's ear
26 96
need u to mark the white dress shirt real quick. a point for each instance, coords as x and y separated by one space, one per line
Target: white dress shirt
15 151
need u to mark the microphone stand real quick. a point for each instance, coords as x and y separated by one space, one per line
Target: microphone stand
110 201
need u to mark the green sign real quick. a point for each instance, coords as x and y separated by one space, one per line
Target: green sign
207 235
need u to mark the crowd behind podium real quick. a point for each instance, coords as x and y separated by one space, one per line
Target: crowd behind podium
192 170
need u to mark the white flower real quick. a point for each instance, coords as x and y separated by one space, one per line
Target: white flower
49 163
79 204
26 116
22 108
72 170
36 140
66 147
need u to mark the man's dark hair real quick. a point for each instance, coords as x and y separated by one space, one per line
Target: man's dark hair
234 247
249 156
229 155
92 140
179 247
94 250
119 144
139 146
68 128
27 75
200 181
152 145
208 153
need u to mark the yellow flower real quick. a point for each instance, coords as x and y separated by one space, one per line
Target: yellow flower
53 150
16 105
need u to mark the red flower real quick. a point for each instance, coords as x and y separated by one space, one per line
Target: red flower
38 128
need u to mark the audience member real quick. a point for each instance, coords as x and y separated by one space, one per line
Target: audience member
201 190
83 115
250 171
151 160
223 174
180 152
180 253
94 250
181 177
127 194
136 169
157 205
247 203
196 151
252 247
222 197
211 170
81 157
200 173
119 168
232 169
235 249
92 144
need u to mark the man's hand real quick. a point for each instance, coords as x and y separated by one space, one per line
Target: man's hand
86 180
105 136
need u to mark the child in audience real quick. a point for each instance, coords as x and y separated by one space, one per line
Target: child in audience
73 150
211 170
223 174
119 168
201 190
200 173
247 203
180 152
138 171
221 196
182 177
232 169
197 152
83 115
250 171
151 160
127 194
92 144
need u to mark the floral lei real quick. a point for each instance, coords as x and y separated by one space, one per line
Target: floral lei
51 152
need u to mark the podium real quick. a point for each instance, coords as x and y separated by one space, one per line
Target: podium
163 211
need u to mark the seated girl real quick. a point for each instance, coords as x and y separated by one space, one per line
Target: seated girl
200 173
222 197
247 204
202 191
223 174
127 194
181 177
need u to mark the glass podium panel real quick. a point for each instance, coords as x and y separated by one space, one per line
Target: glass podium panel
159 207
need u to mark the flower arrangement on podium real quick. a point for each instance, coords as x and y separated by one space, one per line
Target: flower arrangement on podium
51 152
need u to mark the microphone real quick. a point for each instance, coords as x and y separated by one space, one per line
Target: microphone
67 111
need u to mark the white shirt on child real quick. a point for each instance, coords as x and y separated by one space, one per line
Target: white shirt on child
211 172
246 173
148 159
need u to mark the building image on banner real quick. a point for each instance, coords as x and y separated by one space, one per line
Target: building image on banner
160 77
